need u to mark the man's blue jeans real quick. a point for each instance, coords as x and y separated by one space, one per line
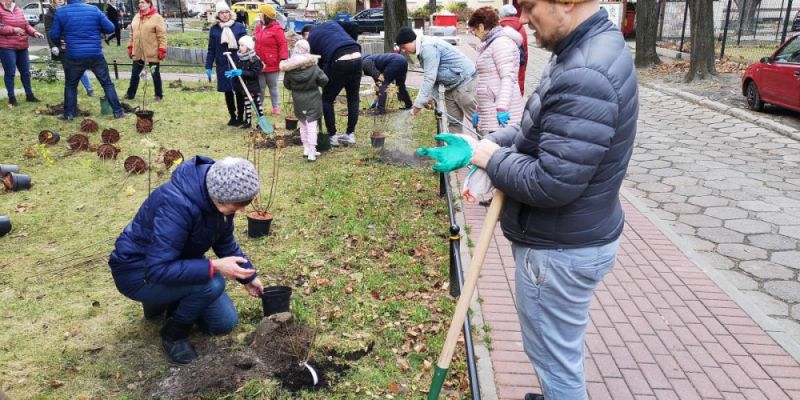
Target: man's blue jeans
553 291
13 60
73 71
208 305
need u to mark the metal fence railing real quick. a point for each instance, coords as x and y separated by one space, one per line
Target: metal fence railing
745 30
456 269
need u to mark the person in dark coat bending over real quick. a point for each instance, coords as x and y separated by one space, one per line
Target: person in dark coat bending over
561 170
386 69
159 259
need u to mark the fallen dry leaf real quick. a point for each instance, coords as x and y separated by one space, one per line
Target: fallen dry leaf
55 383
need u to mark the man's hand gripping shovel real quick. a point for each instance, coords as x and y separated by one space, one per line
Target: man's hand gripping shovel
457 154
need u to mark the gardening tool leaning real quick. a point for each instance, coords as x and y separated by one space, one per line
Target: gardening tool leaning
263 122
457 154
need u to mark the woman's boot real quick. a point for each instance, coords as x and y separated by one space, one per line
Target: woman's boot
175 342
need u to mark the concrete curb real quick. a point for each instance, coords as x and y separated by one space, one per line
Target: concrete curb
484 362
745 115
767 323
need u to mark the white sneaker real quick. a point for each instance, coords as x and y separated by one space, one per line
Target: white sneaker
335 141
349 138
312 156
305 151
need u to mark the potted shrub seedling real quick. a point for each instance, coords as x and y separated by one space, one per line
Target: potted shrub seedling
259 220
16 182
110 136
78 142
144 117
134 165
291 119
88 125
107 151
6 169
5 225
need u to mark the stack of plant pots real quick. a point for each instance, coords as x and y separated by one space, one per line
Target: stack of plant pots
12 179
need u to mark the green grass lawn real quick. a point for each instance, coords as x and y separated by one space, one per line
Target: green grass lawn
368 238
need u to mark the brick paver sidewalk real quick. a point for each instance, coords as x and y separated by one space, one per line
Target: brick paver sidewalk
661 328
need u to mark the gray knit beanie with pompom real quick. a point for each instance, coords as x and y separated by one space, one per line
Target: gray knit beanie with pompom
232 180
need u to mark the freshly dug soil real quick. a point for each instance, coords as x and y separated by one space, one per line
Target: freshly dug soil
260 215
58 109
271 142
107 151
47 137
8 182
78 142
378 134
135 165
170 156
88 125
224 365
110 135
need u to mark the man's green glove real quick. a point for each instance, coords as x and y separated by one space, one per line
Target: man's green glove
457 154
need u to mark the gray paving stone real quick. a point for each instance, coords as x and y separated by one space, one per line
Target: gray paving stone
790 259
771 241
655 164
748 226
795 311
768 304
664 215
761 190
642 178
700 221
690 167
666 172
682 229
740 280
741 251
720 235
681 208
757 205
766 270
782 201
791 231
714 259
722 185
667 198
654 187
678 181
694 190
725 212
641 156
782 186
697 244
776 218
765 177
784 290
708 201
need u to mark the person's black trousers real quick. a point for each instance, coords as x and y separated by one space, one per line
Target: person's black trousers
155 72
116 34
342 75
398 76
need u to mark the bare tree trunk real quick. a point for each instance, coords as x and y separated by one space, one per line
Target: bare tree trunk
747 15
701 63
646 31
395 16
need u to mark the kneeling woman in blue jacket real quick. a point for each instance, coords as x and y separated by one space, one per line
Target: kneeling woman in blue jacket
159 259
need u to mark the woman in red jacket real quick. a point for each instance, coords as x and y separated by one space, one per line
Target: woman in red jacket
271 48
14 29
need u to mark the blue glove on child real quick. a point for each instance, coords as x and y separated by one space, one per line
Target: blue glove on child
208 73
233 73
475 119
503 117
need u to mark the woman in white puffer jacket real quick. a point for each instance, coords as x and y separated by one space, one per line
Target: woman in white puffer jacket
499 100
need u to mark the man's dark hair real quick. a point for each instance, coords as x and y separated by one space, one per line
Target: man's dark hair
307 29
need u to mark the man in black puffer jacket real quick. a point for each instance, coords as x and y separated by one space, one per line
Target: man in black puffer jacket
561 171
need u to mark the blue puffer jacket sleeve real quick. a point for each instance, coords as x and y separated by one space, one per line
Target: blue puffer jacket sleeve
80 25
578 123
170 232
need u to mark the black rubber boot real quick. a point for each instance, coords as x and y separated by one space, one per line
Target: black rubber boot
175 342
30 98
153 311
534 396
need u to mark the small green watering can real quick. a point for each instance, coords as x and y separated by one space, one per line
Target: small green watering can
105 106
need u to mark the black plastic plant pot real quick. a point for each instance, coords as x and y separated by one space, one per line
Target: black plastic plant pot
276 299
258 225
5 225
16 182
145 114
377 139
291 122
6 169
323 142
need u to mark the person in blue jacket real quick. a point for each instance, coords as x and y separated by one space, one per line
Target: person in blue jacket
159 259
386 69
79 25
340 59
224 37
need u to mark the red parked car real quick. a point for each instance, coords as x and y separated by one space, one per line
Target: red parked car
775 79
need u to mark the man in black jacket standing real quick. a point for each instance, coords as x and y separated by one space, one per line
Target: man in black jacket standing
561 170
113 15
